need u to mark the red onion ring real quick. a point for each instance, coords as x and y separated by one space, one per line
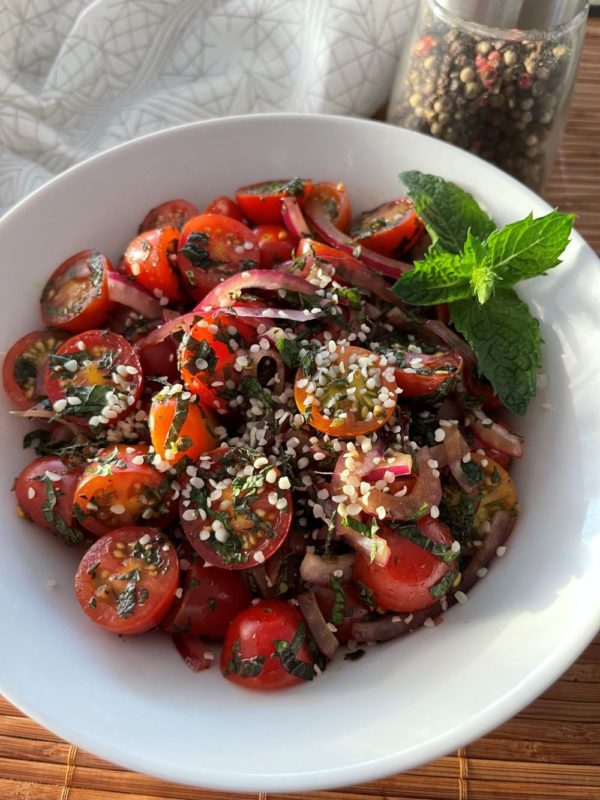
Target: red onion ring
290 314
401 465
427 491
124 291
456 447
376 547
317 570
498 438
223 295
323 636
330 234
181 324
293 218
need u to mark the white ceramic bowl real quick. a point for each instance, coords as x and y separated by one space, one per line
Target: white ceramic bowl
133 701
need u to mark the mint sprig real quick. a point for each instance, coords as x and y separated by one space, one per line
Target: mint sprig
472 266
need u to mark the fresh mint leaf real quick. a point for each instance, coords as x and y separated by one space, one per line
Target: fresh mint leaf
447 210
507 340
529 247
482 275
441 278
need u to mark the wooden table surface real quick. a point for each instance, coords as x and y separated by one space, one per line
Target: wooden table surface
549 751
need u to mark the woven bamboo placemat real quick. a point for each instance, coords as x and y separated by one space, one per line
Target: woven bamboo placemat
549 751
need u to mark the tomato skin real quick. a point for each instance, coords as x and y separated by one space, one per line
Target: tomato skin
260 202
253 544
400 228
115 554
150 259
276 245
481 390
213 247
201 381
197 428
211 598
251 635
27 356
354 610
170 214
226 207
75 298
445 367
96 344
403 584
115 479
334 201
29 481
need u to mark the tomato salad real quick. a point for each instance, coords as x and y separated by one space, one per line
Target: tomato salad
254 439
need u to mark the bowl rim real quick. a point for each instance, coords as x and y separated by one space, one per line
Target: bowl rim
530 687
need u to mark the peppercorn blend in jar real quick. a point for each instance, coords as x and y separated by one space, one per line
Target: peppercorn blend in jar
493 77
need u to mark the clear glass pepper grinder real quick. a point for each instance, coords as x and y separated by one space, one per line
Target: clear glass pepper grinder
493 77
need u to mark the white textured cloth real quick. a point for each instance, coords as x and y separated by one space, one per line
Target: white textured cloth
77 77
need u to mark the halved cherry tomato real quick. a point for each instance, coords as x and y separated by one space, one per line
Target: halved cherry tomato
44 492
334 201
424 374
211 598
267 647
497 490
358 400
243 516
391 227
180 427
260 202
120 488
151 259
225 206
207 354
171 214
127 579
407 580
25 363
276 245
76 295
213 247
94 378
342 608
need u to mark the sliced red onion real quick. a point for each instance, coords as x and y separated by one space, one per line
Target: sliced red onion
293 218
124 291
181 324
330 234
391 626
426 492
224 295
498 438
453 340
456 447
317 570
355 273
400 464
501 526
323 636
284 314
194 651
376 547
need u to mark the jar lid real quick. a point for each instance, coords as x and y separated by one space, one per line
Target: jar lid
521 14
